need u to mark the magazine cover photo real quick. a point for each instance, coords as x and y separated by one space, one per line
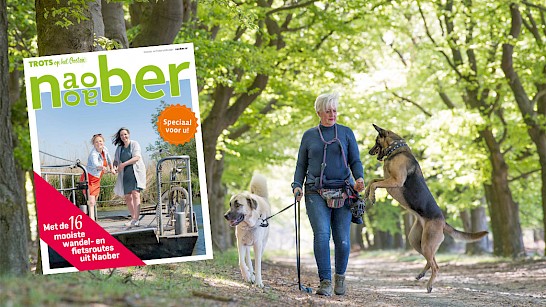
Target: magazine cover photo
118 158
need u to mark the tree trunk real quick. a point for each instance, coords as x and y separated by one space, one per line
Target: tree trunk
408 222
495 218
466 219
507 237
96 16
478 217
14 85
221 117
398 237
54 39
221 237
113 17
474 220
383 240
160 22
357 240
525 103
476 95
14 95
13 224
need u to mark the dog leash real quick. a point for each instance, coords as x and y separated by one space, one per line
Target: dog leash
298 233
265 223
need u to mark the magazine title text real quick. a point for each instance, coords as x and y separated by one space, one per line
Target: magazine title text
75 90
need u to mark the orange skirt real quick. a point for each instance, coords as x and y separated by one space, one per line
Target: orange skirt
94 185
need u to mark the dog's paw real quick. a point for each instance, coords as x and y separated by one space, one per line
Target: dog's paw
260 284
248 277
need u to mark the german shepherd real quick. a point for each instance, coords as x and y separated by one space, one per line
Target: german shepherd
404 181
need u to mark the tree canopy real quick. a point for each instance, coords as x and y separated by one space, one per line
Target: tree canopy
462 82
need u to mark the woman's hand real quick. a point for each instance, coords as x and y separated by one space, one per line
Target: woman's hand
298 193
359 185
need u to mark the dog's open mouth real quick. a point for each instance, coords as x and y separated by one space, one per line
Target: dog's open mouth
236 222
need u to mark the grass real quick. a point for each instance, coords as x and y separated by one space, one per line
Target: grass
168 283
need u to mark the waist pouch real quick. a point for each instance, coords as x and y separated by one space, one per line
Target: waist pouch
335 198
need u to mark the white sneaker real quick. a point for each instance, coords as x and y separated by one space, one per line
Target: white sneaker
136 223
131 223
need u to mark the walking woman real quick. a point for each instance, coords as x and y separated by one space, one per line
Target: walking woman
131 173
328 161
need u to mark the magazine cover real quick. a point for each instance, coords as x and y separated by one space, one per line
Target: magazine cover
118 158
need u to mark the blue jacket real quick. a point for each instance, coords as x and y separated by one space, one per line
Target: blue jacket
94 160
310 157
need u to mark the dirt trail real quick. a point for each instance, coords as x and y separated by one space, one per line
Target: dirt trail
389 282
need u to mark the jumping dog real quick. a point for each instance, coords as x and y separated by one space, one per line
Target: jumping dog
404 181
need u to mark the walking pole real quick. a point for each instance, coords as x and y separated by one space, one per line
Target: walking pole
298 232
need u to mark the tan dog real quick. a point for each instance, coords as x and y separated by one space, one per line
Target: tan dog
404 181
247 212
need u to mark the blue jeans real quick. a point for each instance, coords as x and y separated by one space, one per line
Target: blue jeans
322 220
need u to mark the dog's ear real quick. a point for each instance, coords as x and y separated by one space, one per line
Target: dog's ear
252 203
382 132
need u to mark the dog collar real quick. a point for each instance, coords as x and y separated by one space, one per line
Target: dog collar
264 222
394 146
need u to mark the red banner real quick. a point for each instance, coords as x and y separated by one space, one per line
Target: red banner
74 235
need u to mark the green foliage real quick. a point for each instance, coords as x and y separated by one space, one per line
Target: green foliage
389 61
312 58
385 216
21 32
451 160
74 11
21 44
106 43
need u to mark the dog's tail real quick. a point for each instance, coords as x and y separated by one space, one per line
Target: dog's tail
464 236
258 185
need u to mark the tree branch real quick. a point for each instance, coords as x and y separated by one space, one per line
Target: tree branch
532 27
447 101
413 103
246 127
245 99
536 6
290 7
429 35
524 175
507 66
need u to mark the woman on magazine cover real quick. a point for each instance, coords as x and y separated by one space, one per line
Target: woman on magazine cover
98 163
328 161
131 173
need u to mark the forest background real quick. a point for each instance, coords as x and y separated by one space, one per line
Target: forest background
464 82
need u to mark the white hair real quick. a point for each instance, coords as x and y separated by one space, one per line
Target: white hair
326 101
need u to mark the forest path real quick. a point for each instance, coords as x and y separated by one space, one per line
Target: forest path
391 282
